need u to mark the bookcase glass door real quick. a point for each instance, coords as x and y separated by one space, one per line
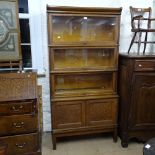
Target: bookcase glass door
83 84
83 29
78 59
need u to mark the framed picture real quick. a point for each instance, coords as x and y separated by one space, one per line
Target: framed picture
9 31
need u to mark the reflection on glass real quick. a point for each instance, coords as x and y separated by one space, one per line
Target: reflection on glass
79 84
26 56
67 29
23 6
84 58
25 30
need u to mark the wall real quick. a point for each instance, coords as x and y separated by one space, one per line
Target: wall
125 36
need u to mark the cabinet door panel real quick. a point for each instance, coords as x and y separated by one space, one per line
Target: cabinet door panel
101 112
70 29
143 98
67 85
81 59
68 114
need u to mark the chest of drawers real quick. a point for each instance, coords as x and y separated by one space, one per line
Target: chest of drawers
19 113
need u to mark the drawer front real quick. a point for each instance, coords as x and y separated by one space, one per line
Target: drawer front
15 108
145 65
22 144
101 112
18 124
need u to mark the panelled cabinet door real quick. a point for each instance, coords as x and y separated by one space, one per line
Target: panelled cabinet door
83 29
101 112
142 114
9 30
69 114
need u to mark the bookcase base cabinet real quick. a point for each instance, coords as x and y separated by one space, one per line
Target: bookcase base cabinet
137 98
90 116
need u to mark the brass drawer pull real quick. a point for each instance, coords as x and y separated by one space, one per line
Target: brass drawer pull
21 145
15 109
18 124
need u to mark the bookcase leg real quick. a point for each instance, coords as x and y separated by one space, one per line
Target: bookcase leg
115 135
54 141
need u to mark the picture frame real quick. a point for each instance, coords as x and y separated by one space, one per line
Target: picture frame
9 31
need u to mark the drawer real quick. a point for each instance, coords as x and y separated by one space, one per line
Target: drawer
145 65
19 107
21 144
18 124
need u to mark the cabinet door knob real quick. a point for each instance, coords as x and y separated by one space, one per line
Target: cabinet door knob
21 145
18 124
15 109
140 65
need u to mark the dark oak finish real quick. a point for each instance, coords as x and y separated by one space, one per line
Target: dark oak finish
137 96
20 113
83 63
3 149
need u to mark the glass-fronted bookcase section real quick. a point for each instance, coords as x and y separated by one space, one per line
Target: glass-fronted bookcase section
83 30
83 84
83 59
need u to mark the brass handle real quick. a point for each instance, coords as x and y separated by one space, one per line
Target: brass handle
15 109
18 124
21 145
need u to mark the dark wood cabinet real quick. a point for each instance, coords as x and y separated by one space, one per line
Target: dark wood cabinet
19 113
137 97
83 63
